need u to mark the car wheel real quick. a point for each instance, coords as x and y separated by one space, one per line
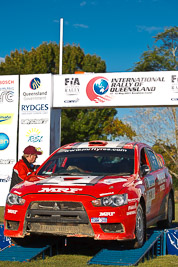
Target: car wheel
140 228
168 222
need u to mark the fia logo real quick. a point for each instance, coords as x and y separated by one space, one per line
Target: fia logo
72 81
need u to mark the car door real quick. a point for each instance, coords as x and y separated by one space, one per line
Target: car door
156 184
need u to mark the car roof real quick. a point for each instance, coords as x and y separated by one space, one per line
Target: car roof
102 144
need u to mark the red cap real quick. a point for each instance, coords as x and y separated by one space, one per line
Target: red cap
31 150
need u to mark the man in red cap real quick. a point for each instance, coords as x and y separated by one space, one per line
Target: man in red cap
24 168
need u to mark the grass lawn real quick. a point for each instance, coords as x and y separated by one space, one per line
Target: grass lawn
78 253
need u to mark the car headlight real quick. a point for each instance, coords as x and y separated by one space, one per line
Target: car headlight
13 199
111 201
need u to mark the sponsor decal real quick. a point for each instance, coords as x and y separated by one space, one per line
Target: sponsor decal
59 190
106 194
35 83
174 80
132 207
66 180
71 101
150 181
150 194
131 212
6 118
7 161
72 86
4 178
2 82
174 99
97 90
113 181
34 136
18 193
4 141
105 213
12 211
133 199
99 220
134 85
35 109
6 96
161 178
34 121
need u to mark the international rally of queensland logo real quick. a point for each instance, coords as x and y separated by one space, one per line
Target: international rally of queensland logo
35 83
97 90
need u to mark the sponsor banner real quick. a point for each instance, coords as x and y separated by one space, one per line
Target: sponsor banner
34 113
9 94
116 89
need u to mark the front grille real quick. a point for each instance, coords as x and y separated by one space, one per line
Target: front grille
55 217
55 212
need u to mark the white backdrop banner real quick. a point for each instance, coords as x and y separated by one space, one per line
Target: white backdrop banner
9 91
34 111
125 89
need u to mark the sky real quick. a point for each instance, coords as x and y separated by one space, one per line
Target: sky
118 31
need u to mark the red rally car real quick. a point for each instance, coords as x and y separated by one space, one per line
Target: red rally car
99 189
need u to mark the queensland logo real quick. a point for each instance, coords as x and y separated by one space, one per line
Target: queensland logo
34 136
6 118
35 83
97 90
4 141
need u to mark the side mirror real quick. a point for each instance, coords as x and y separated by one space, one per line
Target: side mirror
144 169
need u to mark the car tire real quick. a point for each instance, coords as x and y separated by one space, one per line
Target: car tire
140 227
168 222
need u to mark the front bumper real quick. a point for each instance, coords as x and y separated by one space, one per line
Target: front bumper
69 215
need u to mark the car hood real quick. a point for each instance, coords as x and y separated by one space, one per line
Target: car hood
95 186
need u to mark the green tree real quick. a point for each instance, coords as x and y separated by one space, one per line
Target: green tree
45 59
93 124
163 57
159 126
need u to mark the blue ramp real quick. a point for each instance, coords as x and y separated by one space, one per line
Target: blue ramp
12 252
22 254
132 256
4 241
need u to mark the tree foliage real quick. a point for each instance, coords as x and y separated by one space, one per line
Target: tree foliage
163 57
77 124
93 124
45 59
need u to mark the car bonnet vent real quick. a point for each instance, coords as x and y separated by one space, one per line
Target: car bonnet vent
98 143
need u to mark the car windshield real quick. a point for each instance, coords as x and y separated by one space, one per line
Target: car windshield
93 161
